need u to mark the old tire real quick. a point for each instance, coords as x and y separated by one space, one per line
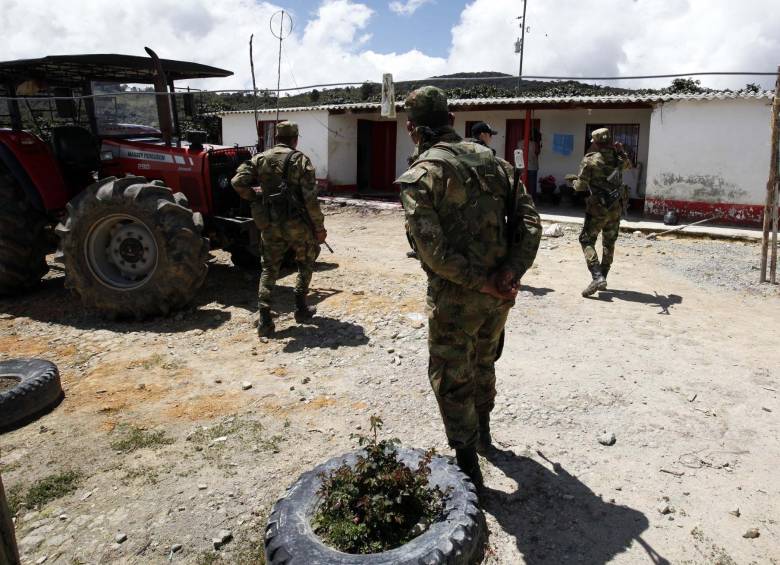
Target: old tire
38 389
457 539
22 239
132 248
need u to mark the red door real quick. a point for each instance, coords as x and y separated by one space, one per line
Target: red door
376 156
514 133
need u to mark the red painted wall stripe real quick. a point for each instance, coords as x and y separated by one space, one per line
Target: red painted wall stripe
724 212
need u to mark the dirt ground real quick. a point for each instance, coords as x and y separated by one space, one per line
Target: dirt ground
680 360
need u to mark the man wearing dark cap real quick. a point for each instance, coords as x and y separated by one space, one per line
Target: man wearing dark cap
282 186
482 133
457 199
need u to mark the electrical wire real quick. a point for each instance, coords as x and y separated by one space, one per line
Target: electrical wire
422 80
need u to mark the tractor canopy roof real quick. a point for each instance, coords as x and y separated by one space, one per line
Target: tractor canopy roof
75 71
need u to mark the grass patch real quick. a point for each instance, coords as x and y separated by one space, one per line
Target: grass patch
246 429
44 491
246 553
134 438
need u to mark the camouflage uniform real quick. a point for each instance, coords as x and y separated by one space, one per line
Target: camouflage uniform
281 225
458 226
603 211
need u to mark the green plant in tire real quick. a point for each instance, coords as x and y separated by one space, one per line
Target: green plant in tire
379 503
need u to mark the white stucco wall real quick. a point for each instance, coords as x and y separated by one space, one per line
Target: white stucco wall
564 121
312 126
710 151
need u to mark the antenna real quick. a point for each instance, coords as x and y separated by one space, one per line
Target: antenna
520 46
281 25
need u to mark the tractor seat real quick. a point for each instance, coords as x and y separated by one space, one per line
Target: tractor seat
77 150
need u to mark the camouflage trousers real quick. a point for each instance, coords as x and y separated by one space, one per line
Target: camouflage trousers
277 240
604 221
464 329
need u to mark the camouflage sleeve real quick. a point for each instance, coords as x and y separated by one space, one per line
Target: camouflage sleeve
528 236
583 177
245 178
306 178
419 186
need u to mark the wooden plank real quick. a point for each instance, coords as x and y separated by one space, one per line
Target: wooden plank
773 260
9 553
770 187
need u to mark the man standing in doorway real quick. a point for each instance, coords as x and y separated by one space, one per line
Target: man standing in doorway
482 133
457 199
601 173
287 213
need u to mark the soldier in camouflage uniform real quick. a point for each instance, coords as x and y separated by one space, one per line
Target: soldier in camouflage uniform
456 196
287 194
601 173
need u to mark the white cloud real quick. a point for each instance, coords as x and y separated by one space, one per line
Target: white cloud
330 44
616 37
408 7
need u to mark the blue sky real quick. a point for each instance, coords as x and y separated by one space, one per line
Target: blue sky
428 30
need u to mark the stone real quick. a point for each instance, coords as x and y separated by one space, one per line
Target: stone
607 438
41 560
202 487
752 533
246 385
120 538
176 548
553 230
664 508
222 538
736 513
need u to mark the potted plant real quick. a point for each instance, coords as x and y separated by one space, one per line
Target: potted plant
380 505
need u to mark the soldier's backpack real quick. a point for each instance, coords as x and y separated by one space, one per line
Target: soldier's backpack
279 198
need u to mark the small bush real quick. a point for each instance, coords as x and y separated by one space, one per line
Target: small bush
44 491
378 504
137 438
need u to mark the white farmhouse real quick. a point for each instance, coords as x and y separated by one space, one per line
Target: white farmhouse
699 154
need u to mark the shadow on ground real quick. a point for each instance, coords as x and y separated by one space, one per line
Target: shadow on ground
225 286
536 291
659 300
322 332
555 518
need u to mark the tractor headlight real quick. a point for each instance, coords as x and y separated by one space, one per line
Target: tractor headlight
106 156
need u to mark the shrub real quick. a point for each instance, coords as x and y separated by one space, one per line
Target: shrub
378 504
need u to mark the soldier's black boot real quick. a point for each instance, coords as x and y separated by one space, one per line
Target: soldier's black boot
303 312
265 323
598 282
605 272
485 442
468 461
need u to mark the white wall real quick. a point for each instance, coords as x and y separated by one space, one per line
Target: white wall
710 151
564 121
312 126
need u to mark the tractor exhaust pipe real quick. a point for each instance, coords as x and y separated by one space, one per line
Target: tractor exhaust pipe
163 100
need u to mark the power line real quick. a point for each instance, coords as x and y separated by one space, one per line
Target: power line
421 80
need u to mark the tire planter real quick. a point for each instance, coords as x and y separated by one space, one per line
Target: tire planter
133 248
457 539
38 389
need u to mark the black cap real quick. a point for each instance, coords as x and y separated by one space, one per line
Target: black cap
482 127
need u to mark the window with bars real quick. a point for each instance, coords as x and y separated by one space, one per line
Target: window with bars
627 134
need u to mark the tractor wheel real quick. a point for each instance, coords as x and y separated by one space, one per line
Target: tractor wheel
22 239
132 248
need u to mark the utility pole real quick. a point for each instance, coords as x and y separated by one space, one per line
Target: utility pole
520 46
283 33
770 208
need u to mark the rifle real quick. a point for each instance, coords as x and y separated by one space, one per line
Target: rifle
511 232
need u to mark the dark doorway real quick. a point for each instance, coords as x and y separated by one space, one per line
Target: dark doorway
515 129
376 156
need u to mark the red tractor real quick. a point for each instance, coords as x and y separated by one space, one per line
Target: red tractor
133 209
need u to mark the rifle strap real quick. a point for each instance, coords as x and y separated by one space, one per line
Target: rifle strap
286 163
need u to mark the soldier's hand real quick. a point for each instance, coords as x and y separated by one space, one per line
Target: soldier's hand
506 281
490 288
321 235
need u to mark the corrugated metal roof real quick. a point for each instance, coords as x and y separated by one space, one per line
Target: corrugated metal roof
466 102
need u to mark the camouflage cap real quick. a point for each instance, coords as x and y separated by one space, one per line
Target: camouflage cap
287 129
427 106
600 135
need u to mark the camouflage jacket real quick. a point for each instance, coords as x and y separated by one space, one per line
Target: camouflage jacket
265 170
598 166
459 228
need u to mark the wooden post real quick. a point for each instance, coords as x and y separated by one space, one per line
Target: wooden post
526 145
771 202
773 259
9 553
